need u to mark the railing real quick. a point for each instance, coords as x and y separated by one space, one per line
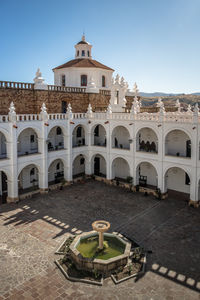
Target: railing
79 115
32 117
3 118
57 116
59 88
16 85
182 117
105 92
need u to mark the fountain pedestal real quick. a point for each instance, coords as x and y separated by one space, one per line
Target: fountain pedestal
101 226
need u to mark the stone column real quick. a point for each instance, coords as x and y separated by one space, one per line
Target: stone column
100 240
43 175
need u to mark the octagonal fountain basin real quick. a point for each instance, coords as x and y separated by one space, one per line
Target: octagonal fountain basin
86 254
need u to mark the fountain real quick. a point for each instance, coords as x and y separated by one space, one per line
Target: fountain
101 227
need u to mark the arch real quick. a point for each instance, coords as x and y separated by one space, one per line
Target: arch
99 135
3 187
56 171
120 168
78 136
55 139
103 81
78 166
146 175
27 142
177 178
147 140
98 164
178 143
28 178
84 80
121 137
3 146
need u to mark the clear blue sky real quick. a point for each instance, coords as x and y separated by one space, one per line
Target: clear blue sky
153 42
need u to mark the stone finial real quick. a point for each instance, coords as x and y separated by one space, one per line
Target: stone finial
122 81
196 109
43 108
112 80
89 110
124 102
159 103
117 79
69 109
135 89
83 37
12 109
135 109
189 109
162 108
109 109
38 77
178 105
91 87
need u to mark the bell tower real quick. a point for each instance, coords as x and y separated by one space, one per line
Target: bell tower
83 49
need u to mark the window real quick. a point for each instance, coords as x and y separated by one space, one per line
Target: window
78 53
96 131
103 81
58 166
88 53
82 161
64 107
32 138
83 80
63 80
58 131
32 172
79 132
187 179
83 52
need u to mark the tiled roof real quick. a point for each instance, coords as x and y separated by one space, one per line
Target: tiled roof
83 63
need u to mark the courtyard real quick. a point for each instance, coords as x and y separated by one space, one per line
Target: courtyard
32 230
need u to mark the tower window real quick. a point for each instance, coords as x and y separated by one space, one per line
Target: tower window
103 81
78 53
88 53
63 80
64 107
83 52
83 80
58 131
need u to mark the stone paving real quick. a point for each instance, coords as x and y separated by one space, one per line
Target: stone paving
31 231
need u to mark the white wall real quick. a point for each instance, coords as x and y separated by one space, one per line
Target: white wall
55 139
25 179
120 168
175 180
73 76
53 169
148 170
122 136
102 136
77 167
24 142
176 142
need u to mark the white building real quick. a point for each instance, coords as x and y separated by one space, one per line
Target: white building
156 150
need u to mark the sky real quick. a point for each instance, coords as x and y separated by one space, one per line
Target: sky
155 43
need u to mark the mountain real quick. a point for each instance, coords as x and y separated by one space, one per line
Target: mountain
159 94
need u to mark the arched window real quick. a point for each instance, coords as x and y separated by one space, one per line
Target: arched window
83 80
58 131
88 53
82 161
58 166
96 131
83 52
103 81
78 53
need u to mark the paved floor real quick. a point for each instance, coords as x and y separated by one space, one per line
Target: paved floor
31 230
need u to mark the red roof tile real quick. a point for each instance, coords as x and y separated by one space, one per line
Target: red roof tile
83 63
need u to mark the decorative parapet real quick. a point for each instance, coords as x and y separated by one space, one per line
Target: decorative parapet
16 85
58 88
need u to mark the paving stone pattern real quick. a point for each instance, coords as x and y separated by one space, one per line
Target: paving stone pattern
31 231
